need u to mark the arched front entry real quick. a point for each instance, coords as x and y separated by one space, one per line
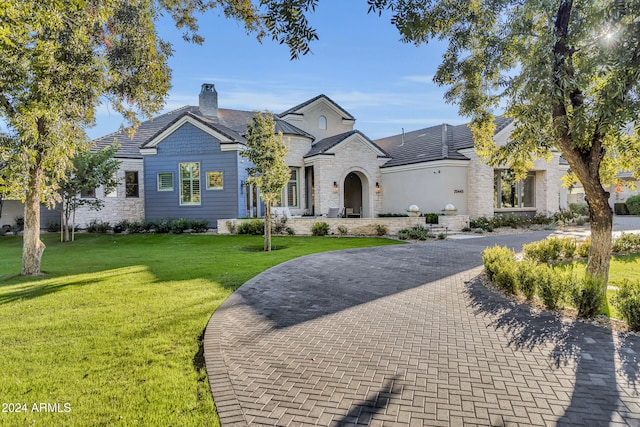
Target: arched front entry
356 195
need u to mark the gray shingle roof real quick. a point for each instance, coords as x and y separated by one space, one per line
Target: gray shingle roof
231 123
322 146
294 110
426 145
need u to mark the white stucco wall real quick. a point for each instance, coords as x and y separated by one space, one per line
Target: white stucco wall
10 210
430 186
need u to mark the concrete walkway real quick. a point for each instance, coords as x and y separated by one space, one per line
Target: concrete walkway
406 336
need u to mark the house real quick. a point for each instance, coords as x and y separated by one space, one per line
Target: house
187 164
438 166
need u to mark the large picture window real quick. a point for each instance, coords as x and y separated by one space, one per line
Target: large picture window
292 190
190 183
511 194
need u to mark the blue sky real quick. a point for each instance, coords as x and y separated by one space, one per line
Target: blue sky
358 62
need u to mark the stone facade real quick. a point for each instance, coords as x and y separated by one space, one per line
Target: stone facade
353 155
117 207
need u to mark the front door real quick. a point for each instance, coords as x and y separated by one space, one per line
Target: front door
353 195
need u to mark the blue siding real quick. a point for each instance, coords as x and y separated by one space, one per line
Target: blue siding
243 175
190 144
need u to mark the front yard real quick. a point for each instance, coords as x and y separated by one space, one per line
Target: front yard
111 333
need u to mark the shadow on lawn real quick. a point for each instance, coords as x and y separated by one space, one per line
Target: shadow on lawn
34 287
598 395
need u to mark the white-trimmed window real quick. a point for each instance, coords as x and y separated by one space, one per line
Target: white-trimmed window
511 194
214 180
165 181
322 122
190 183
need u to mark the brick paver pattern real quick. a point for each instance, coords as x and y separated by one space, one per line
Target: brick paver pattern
408 336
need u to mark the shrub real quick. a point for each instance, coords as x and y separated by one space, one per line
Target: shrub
588 296
53 226
381 230
541 219
551 286
583 247
564 217
254 228
626 243
431 218
178 226
96 226
135 227
231 226
509 220
627 302
279 225
290 231
482 222
342 230
581 220
320 229
569 247
466 229
392 215
442 236
621 209
527 278
545 250
579 209
199 225
505 275
633 204
417 232
494 257
162 225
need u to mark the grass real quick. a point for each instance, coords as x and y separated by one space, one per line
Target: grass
113 329
622 267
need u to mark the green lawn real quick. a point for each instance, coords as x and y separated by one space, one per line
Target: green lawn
111 332
622 267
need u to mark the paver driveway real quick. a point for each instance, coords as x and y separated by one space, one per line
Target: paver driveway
405 336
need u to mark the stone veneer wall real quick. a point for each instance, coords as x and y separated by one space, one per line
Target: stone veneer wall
119 207
359 226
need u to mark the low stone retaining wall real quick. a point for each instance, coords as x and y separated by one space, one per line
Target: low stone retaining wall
358 226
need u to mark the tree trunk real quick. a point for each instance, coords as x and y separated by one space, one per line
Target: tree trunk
267 227
66 221
601 227
32 246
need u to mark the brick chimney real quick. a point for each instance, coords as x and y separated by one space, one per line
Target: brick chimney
208 102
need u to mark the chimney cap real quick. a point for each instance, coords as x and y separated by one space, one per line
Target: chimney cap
208 87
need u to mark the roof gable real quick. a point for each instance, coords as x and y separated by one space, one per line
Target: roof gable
220 132
329 145
311 103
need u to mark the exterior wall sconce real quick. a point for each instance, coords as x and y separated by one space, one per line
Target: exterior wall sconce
377 187
335 187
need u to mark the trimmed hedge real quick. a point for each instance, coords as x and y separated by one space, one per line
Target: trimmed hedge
633 204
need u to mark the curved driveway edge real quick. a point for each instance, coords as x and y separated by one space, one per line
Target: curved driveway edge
405 336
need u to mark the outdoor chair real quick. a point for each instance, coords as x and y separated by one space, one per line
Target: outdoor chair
335 213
